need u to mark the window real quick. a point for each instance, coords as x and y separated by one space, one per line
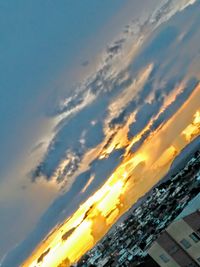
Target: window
164 258
195 237
173 250
186 244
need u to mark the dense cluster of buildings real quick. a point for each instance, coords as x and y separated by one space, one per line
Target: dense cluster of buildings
127 244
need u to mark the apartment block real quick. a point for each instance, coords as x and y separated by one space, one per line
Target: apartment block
179 244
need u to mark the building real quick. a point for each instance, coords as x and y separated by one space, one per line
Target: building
179 245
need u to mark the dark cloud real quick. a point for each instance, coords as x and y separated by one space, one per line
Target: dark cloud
172 109
94 135
163 50
115 48
164 116
67 234
71 129
67 139
104 88
143 116
43 255
135 103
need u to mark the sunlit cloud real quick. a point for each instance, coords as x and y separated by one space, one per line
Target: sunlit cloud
88 184
137 173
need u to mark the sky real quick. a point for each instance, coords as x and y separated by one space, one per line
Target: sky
40 45
86 97
43 50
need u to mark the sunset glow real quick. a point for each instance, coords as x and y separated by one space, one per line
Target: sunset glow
137 173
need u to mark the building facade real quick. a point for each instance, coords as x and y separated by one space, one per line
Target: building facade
179 245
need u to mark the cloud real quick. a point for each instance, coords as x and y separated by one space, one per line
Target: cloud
109 98
134 176
106 79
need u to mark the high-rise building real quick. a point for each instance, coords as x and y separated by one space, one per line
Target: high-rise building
179 245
